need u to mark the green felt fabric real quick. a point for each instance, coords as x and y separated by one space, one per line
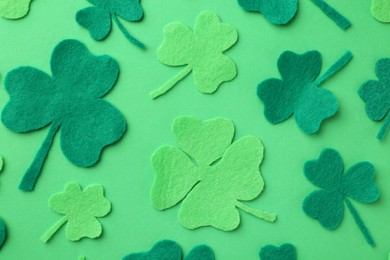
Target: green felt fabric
97 19
275 11
327 204
212 193
80 208
376 95
298 92
1 163
69 101
3 232
380 9
14 9
201 51
201 252
336 17
284 252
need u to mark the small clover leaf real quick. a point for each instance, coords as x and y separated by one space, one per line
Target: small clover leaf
298 93
69 100
97 19
200 50
81 209
380 10
14 9
211 189
376 95
327 204
284 252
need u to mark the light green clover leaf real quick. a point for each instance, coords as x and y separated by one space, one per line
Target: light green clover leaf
14 9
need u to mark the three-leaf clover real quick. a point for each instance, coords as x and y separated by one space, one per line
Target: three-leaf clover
200 50
80 208
14 9
69 100
284 252
170 250
376 95
327 204
380 10
97 19
209 174
275 11
298 92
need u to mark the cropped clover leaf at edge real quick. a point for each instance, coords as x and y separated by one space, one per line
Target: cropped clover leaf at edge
380 10
69 101
209 174
200 51
14 9
286 251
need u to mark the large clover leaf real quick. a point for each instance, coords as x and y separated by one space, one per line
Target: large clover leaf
200 50
327 204
80 209
69 100
14 9
298 92
208 175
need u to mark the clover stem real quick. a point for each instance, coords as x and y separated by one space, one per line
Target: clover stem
126 33
336 67
385 127
32 173
53 229
335 16
269 217
360 223
171 83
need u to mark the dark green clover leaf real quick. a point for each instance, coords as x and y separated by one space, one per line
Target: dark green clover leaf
327 204
298 92
3 232
97 19
376 95
70 101
284 252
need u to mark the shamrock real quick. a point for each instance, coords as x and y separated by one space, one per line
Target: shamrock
376 95
70 101
81 209
275 11
327 204
298 93
14 9
336 17
97 19
201 51
380 9
3 232
170 250
284 252
209 174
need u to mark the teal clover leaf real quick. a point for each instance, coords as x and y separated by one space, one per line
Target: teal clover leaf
284 252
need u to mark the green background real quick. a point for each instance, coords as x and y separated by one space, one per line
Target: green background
125 170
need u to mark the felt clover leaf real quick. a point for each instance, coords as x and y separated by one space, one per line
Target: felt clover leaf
380 9
209 174
327 204
275 11
376 95
170 250
3 232
335 16
69 100
284 252
200 50
97 19
80 208
14 9
298 92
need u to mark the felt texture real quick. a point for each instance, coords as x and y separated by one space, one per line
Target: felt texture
336 17
3 232
201 51
298 92
170 250
380 9
376 95
275 11
70 101
14 9
327 204
211 186
80 208
284 252
97 19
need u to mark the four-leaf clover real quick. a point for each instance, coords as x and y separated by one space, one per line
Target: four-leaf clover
80 208
327 204
97 19
200 50
69 100
298 92
14 9
209 174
